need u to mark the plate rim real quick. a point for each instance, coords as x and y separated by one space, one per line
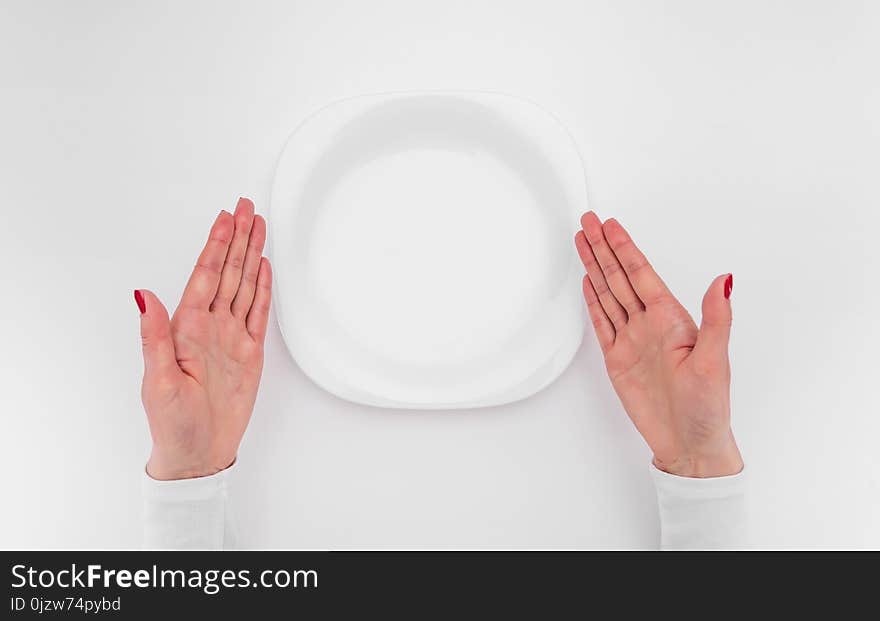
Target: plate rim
558 361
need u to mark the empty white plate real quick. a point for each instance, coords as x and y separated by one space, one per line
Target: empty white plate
422 249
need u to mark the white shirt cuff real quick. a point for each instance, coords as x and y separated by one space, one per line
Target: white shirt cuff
187 513
701 514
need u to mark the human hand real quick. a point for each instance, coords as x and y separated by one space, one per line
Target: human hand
202 368
672 378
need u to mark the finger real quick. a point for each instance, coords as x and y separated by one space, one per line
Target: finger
202 285
159 356
714 336
615 312
611 269
602 326
245 296
644 280
230 279
258 317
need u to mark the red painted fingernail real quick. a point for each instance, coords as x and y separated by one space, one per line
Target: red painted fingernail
728 286
139 298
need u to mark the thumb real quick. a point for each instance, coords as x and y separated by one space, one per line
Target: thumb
717 318
155 333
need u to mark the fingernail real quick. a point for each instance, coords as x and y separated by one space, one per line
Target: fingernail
243 202
139 298
728 286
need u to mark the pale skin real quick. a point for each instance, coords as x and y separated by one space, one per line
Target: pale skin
202 367
672 378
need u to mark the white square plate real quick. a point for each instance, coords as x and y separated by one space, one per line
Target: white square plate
422 248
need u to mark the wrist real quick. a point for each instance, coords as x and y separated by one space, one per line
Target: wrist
718 460
168 468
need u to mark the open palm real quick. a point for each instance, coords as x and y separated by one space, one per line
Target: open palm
672 378
202 368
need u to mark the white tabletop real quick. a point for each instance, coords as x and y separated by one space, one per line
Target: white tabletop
739 137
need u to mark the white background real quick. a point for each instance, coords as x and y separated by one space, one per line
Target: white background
735 136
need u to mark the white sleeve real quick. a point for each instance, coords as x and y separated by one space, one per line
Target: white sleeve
188 514
701 514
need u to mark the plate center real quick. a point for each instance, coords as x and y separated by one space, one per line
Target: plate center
428 284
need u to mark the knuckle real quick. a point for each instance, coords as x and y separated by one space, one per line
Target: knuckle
635 265
208 266
250 275
610 268
619 243
718 322
626 246
220 237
